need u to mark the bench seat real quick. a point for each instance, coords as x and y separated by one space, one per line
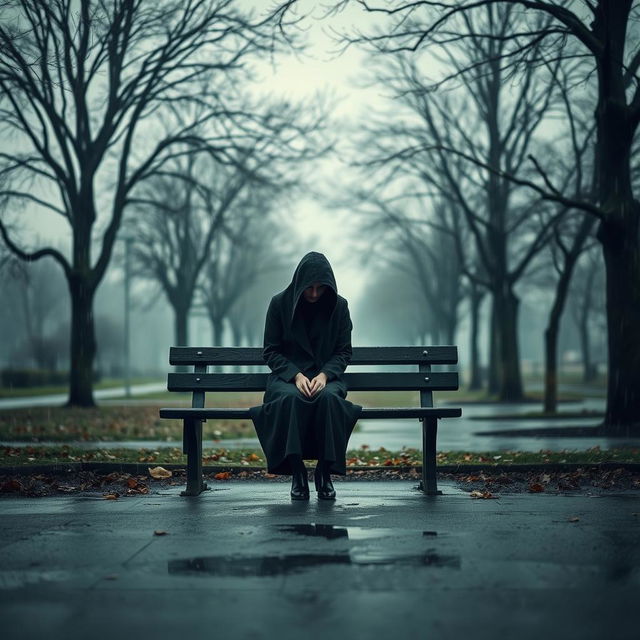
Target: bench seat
214 413
200 381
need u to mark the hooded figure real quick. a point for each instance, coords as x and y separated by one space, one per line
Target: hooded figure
307 337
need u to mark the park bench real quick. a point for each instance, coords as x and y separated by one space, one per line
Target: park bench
423 380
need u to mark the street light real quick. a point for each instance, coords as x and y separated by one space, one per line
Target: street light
127 313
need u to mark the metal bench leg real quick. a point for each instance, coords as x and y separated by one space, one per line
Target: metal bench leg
429 432
192 446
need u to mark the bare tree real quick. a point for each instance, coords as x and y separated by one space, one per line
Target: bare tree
602 29
495 123
183 211
427 257
37 296
82 84
249 252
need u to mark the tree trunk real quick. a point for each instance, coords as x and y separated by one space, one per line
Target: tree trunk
181 327
493 383
475 300
83 344
551 365
181 332
622 263
585 348
583 326
616 124
557 309
236 331
217 330
509 376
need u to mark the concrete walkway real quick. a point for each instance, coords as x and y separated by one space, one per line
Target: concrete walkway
58 399
243 561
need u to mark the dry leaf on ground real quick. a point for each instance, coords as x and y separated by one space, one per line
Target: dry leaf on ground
159 532
485 495
159 472
223 475
111 496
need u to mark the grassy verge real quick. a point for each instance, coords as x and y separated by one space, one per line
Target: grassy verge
11 456
106 423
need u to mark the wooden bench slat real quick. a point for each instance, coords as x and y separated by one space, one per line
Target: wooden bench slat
446 354
424 380
214 413
409 381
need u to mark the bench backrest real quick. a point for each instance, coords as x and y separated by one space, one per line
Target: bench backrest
423 380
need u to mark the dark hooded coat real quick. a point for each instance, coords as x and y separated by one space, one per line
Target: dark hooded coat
310 338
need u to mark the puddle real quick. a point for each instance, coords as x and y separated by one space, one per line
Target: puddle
327 531
330 531
276 565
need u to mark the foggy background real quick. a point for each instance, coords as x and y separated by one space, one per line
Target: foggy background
334 207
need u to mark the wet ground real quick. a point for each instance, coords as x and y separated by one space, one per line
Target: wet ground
243 561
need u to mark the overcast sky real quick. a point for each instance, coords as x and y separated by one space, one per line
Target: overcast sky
295 77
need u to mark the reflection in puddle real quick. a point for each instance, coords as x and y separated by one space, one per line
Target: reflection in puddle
328 531
274 565
331 531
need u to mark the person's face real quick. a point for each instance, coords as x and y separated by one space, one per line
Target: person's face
314 292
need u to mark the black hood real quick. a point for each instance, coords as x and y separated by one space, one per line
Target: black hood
314 267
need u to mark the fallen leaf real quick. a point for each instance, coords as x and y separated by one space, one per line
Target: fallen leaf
270 475
67 488
574 519
111 496
132 483
159 472
159 532
223 475
485 495
253 456
536 487
12 485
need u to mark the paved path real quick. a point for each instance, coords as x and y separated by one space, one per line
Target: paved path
243 561
99 394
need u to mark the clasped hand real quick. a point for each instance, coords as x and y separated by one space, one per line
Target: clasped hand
310 387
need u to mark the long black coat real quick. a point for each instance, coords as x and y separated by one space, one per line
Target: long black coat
307 338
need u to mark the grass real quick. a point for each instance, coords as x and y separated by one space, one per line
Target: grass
106 423
36 454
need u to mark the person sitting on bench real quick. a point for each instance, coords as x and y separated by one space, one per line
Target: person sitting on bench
307 346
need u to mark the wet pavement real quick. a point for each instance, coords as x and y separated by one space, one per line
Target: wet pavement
243 561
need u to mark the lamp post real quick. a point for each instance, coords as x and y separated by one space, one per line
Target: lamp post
127 316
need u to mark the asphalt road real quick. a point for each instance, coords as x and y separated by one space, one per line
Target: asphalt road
243 561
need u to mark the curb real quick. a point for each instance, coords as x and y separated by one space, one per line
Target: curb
138 468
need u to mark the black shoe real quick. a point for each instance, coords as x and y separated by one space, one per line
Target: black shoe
300 485
324 486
